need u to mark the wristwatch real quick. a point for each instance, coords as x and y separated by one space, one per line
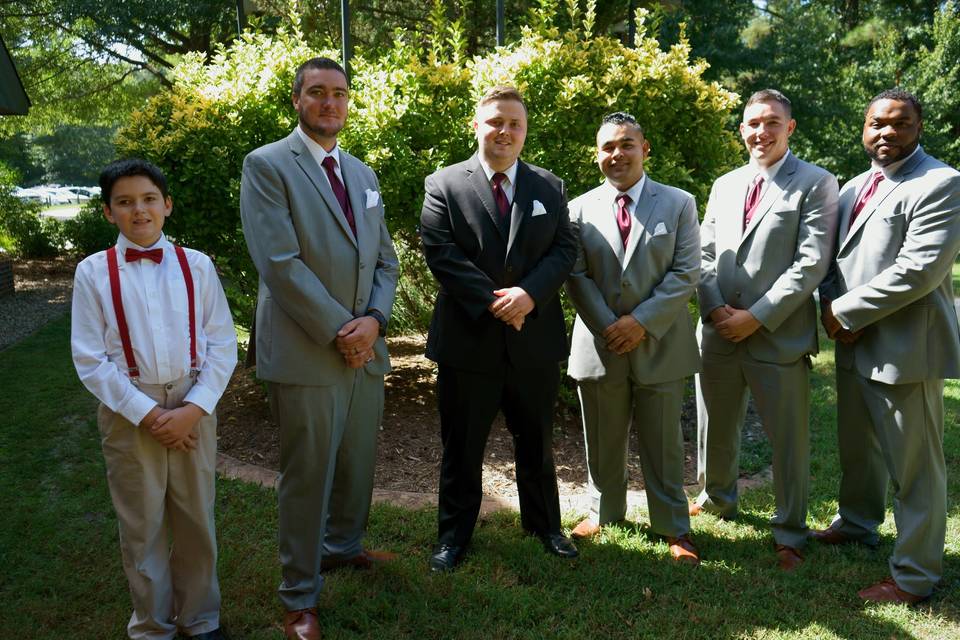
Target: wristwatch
381 320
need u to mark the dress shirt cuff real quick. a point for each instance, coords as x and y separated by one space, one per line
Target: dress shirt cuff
203 397
136 408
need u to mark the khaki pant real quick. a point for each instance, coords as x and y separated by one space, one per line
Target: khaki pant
160 494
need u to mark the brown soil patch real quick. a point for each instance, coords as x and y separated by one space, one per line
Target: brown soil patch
408 455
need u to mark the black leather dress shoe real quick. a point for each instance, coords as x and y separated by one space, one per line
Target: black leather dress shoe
445 557
216 634
559 545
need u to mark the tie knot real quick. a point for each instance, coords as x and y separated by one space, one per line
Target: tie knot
878 177
329 163
758 180
499 177
623 200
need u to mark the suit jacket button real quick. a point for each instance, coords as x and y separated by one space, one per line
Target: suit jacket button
624 284
360 301
509 269
363 265
738 294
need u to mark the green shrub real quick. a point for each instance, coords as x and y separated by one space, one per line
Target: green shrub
410 115
88 232
20 221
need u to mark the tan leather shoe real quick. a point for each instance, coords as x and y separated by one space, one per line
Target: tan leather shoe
695 510
788 558
682 550
585 529
302 624
887 591
366 559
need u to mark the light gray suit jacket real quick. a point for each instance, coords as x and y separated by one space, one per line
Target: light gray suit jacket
314 274
653 279
892 274
773 267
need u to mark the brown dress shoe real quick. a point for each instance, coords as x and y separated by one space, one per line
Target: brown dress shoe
887 591
695 510
788 558
364 560
302 624
585 529
830 535
682 550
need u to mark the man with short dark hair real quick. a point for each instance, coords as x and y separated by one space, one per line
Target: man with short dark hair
766 241
888 302
497 237
314 226
633 342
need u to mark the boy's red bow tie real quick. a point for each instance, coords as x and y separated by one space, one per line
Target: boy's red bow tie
132 255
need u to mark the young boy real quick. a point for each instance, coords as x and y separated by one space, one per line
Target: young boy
153 340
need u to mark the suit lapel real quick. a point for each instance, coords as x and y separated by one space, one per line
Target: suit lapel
646 204
315 174
772 194
884 189
351 181
522 201
599 212
478 181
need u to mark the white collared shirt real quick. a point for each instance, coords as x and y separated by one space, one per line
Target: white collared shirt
319 154
634 192
768 173
155 306
891 169
509 185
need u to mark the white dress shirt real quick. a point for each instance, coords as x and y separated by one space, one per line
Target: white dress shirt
509 185
768 173
155 304
319 153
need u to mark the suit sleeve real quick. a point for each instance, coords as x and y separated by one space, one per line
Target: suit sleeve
275 250
815 237
925 259
387 272
582 288
669 298
708 291
547 276
456 273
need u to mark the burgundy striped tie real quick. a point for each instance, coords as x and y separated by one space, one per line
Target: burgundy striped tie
330 166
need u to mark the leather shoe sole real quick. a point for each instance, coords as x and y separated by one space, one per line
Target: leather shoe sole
559 545
788 558
302 624
887 591
445 557
585 529
366 559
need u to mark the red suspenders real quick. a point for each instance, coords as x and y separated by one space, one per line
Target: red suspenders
132 369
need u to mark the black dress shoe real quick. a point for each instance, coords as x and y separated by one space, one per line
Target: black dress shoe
216 634
559 545
445 557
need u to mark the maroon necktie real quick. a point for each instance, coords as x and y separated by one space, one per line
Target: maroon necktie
623 217
132 255
753 199
503 205
330 165
865 197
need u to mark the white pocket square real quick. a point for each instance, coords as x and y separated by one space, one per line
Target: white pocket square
372 198
538 208
660 229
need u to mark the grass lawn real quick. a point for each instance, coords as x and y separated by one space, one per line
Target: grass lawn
956 278
60 574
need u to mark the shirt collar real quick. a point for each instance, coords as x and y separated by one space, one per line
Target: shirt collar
511 171
891 169
124 243
769 173
634 191
318 152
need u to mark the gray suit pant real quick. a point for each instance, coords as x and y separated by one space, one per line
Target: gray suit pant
328 438
781 394
894 432
609 407
157 494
